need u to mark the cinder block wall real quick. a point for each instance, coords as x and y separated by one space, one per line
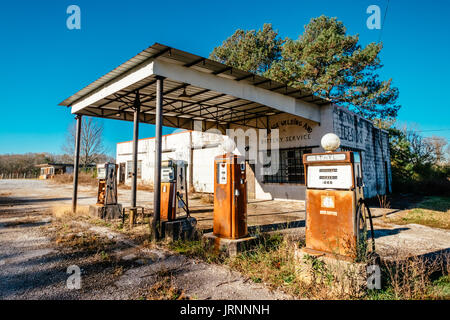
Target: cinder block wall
359 134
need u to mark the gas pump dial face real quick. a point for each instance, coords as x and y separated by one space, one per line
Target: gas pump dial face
222 170
330 177
101 173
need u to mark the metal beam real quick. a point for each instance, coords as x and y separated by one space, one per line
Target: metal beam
277 88
76 163
262 82
137 107
223 70
190 64
245 77
151 97
200 102
155 232
126 94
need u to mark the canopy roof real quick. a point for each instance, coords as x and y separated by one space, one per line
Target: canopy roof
195 88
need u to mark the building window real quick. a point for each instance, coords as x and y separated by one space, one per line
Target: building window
290 166
130 169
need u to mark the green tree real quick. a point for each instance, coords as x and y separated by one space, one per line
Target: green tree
251 50
415 165
324 60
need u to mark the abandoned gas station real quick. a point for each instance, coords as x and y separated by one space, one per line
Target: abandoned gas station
297 137
169 87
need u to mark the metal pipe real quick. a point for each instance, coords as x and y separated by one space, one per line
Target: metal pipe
76 163
158 151
137 107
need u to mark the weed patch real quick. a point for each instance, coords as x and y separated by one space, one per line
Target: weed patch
164 288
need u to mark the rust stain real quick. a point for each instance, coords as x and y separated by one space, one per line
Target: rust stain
331 233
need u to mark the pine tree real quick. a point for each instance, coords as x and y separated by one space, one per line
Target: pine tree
252 50
324 59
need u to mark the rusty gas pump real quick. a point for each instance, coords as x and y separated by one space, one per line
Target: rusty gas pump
230 197
174 193
107 206
336 214
174 197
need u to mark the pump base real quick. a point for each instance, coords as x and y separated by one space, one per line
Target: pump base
318 253
108 212
231 246
346 275
179 229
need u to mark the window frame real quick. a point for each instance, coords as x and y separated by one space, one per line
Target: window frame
285 170
129 169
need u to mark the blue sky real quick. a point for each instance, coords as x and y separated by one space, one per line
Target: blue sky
43 62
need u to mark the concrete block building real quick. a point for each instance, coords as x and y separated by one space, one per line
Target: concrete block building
296 136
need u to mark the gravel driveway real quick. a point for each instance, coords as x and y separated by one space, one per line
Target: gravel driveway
34 266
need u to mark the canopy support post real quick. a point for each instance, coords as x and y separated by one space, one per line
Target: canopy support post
136 107
76 162
155 231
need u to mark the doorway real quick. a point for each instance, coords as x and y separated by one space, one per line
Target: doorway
122 172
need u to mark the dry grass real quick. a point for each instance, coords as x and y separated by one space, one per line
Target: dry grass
383 202
141 186
273 262
84 178
71 237
415 278
432 211
207 198
194 195
81 240
65 212
164 288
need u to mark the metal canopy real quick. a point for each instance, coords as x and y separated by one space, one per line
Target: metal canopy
183 103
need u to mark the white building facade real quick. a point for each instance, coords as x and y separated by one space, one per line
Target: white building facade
295 137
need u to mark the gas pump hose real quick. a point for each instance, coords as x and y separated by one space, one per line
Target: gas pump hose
362 202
